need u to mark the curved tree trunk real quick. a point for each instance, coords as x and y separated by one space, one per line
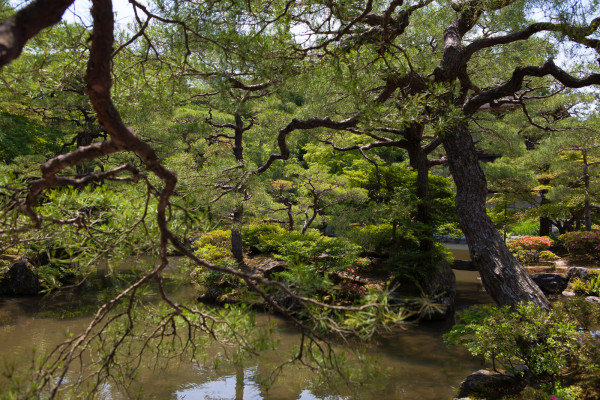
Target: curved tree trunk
501 274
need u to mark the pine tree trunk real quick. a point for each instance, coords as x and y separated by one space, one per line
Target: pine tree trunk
501 274
419 162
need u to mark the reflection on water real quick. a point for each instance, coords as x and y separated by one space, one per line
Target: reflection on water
420 366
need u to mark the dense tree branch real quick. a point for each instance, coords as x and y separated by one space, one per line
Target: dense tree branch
510 87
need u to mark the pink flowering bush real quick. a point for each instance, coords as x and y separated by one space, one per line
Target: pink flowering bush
582 243
353 290
528 249
531 243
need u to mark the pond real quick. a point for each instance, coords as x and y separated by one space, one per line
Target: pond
419 365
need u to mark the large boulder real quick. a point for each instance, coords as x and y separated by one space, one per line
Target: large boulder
550 283
20 280
491 386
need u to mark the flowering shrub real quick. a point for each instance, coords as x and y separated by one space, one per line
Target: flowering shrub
354 289
582 243
529 249
531 243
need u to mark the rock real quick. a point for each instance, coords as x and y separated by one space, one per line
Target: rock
442 281
211 296
485 384
441 288
593 299
20 280
550 283
464 265
578 272
568 293
268 266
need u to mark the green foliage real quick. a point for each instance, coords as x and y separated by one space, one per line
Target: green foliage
593 285
372 238
552 392
294 247
590 287
578 286
213 246
21 136
262 237
217 238
547 255
582 243
525 228
544 341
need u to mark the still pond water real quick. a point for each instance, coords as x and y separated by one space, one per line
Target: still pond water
419 365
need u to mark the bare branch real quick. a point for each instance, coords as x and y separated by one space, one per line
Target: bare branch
16 31
310 123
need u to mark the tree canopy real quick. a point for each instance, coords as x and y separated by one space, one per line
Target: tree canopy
307 114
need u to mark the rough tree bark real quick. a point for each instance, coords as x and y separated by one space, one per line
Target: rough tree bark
501 274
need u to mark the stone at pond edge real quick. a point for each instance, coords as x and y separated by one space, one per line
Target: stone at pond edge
464 265
578 272
593 299
550 283
20 280
442 281
484 383
568 293
269 266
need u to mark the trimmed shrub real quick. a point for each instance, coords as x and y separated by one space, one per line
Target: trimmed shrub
528 249
213 246
294 247
262 238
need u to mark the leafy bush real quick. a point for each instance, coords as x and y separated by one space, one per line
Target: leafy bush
528 249
547 255
552 392
582 243
546 342
593 285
